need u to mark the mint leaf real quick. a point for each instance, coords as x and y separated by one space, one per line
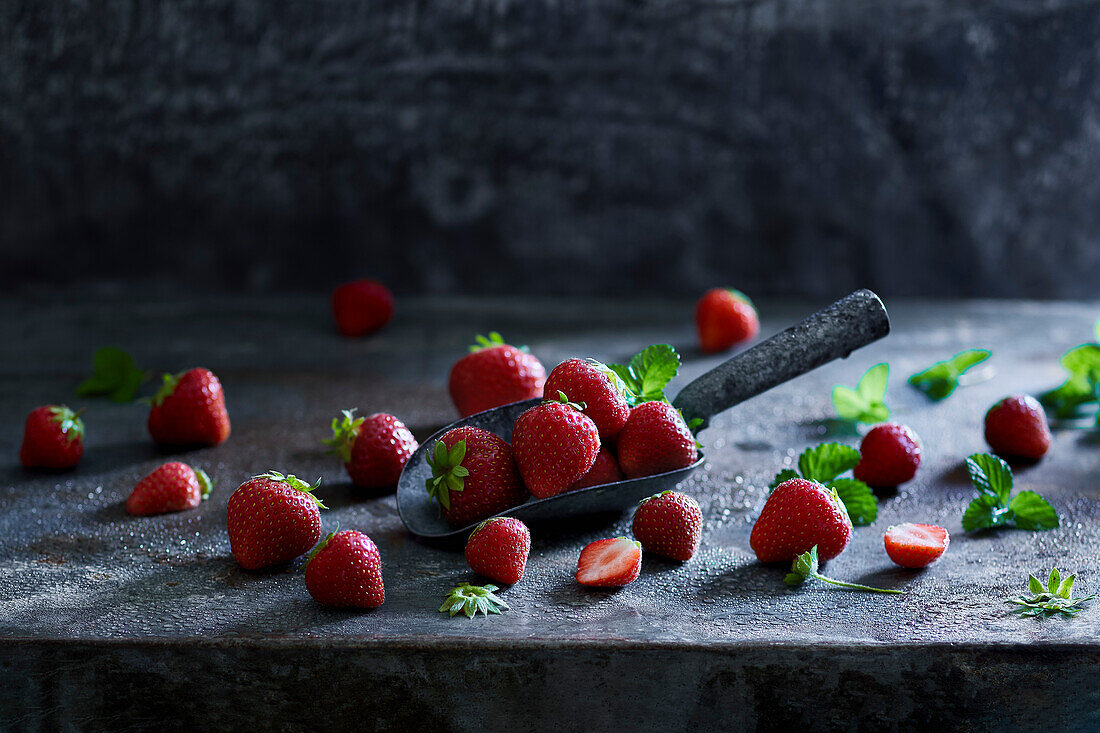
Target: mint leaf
1033 512
858 499
655 366
648 372
990 475
1066 400
825 462
940 380
984 512
1083 361
872 385
865 403
992 478
785 475
115 376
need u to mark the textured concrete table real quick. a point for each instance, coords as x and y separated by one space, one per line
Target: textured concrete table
124 621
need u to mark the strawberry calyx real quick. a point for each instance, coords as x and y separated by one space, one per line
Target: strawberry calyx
320 546
448 473
167 387
69 422
562 399
345 429
471 599
205 483
494 339
295 483
737 294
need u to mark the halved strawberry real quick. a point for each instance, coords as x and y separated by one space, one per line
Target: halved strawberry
915 545
610 563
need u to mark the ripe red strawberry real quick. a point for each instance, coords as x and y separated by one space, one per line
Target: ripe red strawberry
189 408
374 449
555 445
53 437
669 524
172 487
1017 427
655 440
345 571
610 563
724 317
361 307
798 515
494 374
597 387
273 518
604 471
889 455
915 545
474 476
498 549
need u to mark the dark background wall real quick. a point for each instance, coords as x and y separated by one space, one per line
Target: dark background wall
552 146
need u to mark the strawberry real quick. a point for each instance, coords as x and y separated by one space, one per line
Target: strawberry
189 408
345 571
610 563
498 549
474 476
1017 427
889 455
604 471
555 445
669 524
915 545
494 374
53 437
725 317
655 440
374 449
599 388
272 519
172 487
798 515
361 307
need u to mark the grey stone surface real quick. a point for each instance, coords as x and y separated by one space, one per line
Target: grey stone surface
915 147
102 615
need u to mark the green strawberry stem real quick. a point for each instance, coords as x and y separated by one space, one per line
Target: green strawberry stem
205 484
345 429
448 473
578 406
295 483
805 566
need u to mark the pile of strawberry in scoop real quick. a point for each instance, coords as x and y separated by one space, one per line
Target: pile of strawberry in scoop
597 424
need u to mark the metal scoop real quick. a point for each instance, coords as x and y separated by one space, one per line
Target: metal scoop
831 333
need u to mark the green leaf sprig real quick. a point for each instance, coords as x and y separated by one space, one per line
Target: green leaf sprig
805 567
867 402
938 381
995 506
448 473
114 376
1050 600
1081 387
824 464
471 599
648 372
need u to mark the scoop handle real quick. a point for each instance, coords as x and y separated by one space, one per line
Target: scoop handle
832 333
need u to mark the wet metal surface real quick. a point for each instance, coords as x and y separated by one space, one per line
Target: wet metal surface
88 589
